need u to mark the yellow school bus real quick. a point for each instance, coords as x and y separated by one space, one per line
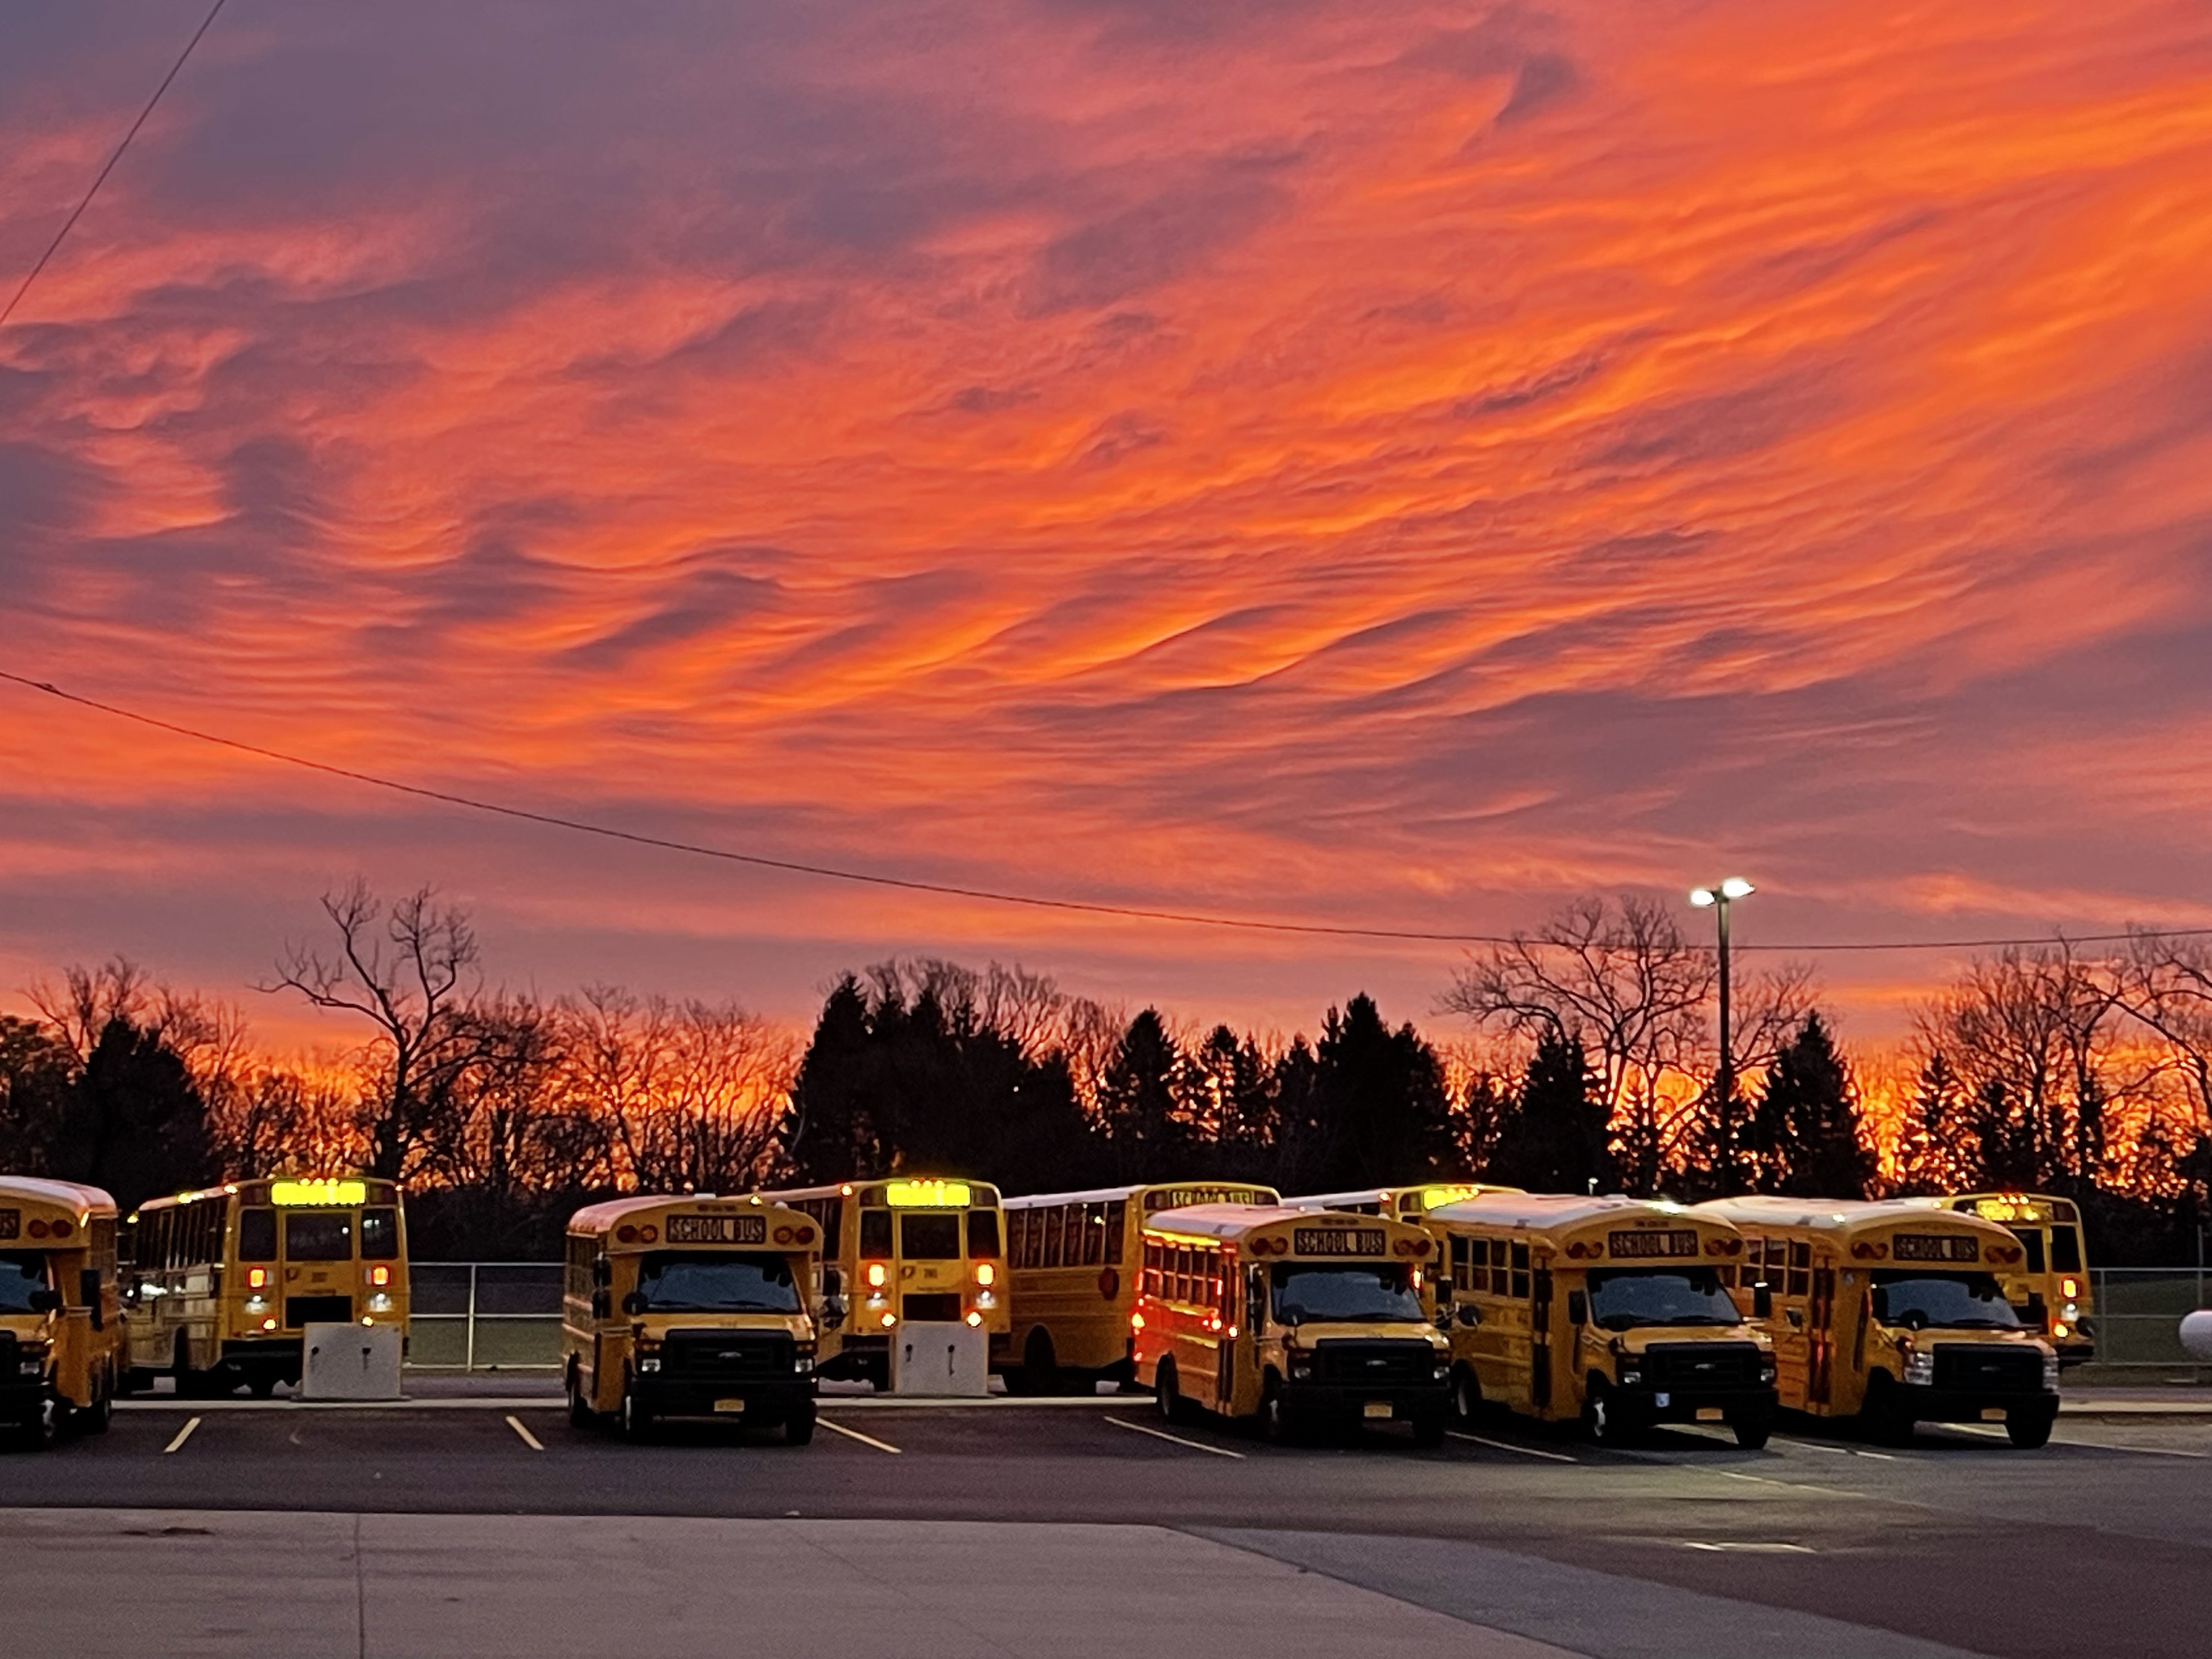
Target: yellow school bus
1406 1203
1302 1319
1892 1312
1073 1263
903 1250
1614 1310
61 1314
222 1282
690 1306
2049 1286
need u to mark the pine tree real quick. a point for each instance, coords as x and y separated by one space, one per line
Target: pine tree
1804 1129
1137 1100
1554 1139
1928 1157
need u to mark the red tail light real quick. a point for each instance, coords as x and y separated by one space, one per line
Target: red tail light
380 1275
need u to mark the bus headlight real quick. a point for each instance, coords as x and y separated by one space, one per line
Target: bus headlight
1920 1369
1301 1369
1441 1372
31 1364
1631 1374
803 1364
1766 1369
2050 1373
651 1363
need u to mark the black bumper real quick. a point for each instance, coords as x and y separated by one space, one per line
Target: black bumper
1683 1405
764 1401
266 1354
1926 1405
1351 1399
21 1399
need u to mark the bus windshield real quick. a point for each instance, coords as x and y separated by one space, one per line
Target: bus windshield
1338 1293
1621 1298
22 1271
1960 1301
716 1282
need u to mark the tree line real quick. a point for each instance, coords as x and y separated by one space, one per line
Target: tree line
1585 1059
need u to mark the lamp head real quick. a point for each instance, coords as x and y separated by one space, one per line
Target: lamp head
1701 897
1737 887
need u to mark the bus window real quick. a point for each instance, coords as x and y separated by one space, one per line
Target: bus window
982 1232
2031 1239
2065 1250
1519 1283
1954 1301
875 1233
379 1235
930 1237
318 1235
717 1283
1325 1293
256 1235
1622 1298
21 1273
1801 1269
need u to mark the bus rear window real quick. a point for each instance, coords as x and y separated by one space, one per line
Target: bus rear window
982 1232
318 1235
379 1235
256 1235
930 1237
875 1233
2031 1241
2065 1250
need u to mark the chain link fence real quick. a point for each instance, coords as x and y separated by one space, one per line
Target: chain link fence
484 1316
2137 1320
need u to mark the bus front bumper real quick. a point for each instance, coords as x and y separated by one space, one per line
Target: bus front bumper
1405 1402
1688 1405
21 1399
764 1402
1927 1404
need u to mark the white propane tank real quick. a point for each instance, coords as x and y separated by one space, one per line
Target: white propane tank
2196 1332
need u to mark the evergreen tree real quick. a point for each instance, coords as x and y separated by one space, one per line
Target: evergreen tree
1380 1112
131 1122
1137 1099
1928 1159
1804 1129
1554 1139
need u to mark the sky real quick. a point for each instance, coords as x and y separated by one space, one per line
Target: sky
1399 467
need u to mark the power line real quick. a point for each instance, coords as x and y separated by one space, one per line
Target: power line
70 223
870 878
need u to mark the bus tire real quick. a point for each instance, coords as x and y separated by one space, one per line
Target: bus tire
1466 1395
262 1384
43 1428
798 1427
637 1421
1429 1428
1173 1409
2028 1427
1887 1421
1276 1422
580 1415
181 1371
1040 1366
1753 1428
1603 1420
95 1417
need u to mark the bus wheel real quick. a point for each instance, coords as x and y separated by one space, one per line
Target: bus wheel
1601 1419
45 1426
580 1415
263 1385
1040 1367
637 1421
1429 1428
1887 1422
95 1417
1276 1422
1753 1428
1466 1395
2029 1427
798 1427
1173 1409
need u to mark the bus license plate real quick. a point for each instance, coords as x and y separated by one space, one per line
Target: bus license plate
1710 1414
1379 1409
729 1405
1993 1413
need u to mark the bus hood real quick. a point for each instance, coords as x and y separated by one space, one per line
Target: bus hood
1313 1336
1639 1338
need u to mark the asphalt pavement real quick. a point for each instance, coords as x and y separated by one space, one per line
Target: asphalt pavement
1686 1548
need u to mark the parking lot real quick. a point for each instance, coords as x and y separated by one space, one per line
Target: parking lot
2102 1542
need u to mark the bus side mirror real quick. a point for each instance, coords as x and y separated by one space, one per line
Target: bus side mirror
833 1284
1577 1308
88 1291
602 1272
1762 1300
43 1300
634 1303
599 1304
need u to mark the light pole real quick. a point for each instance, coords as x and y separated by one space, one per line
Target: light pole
1717 898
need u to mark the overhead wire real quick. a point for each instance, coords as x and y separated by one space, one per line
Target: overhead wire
77 213
995 895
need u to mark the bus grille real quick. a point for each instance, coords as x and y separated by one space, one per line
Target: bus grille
1385 1364
1979 1367
319 1310
941 1308
727 1356
1693 1365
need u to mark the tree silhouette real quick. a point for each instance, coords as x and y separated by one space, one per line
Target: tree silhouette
1804 1129
1137 1100
1553 1140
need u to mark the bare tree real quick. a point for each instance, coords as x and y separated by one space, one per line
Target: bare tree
411 972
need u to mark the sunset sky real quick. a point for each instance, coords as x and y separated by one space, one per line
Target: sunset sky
1397 467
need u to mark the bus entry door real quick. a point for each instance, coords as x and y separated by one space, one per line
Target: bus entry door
1820 1339
1540 1338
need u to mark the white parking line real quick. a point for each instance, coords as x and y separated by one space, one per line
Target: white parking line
183 1434
1162 1434
528 1438
855 1434
1727 1547
1842 1451
1507 1445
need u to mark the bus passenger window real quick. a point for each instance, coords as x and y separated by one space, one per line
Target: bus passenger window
2031 1243
875 1233
1094 1234
256 1235
982 1233
2065 1250
1117 1228
379 1235
1520 1271
930 1237
1801 1270
318 1235
1049 1255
